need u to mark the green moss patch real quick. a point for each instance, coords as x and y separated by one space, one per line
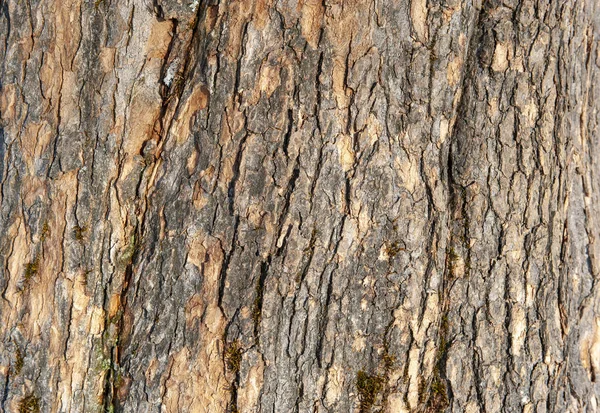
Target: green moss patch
369 386
29 404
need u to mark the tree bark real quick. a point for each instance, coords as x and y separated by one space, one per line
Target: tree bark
299 206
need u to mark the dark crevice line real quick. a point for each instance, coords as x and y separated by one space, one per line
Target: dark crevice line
286 206
476 363
280 250
325 312
299 281
236 173
238 71
6 14
259 298
324 320
164 88
68 329
110 397
6 390
317 174
226 261
347 198
456 206
110 390
319 99
288 133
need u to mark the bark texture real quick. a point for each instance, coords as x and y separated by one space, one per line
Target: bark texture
299 206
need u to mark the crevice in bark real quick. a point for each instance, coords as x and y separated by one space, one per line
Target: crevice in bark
318 102
6 392
238 72
169 88
317 311
324 319
257 306
112 337
286 204
226 261
232 359
158 10
436 394
236 173
6 15
288 133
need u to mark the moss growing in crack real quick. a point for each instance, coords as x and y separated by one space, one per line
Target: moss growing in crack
19 361
233 356
452 254
422 385
452 258
368 386
78 232
128 252
45 231
392 249
119 378
405 375
84 277
388 360
443 345
175 88
115 318
437 399
29 404
438 395
437 387
444 323
105 364
233 362
257 311
31 270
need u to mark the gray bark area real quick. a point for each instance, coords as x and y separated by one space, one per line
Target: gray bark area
299 206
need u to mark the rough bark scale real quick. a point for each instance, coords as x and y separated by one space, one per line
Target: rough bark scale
299 206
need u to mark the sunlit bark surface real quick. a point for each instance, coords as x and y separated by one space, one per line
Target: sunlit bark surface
299 206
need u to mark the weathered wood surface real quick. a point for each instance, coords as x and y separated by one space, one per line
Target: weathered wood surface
299 206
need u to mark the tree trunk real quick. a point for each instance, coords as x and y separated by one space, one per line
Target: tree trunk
299 206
